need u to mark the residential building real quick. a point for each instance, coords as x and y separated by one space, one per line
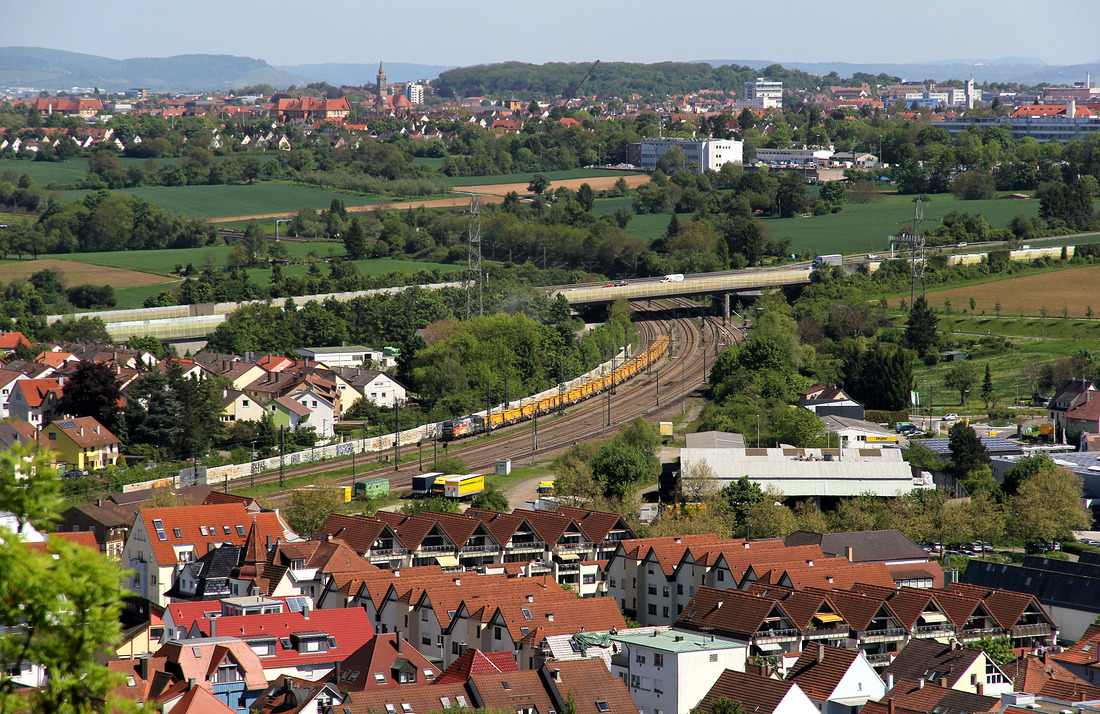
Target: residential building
225 667
949 665
82 107
762 94
1071 394
1082 659
836 680
368 384
9 340
238 406
917 696
386 661
347 356
414 92
289 413
104 520
309 109
759 694
81 443
1085 416
322 413
293 695
1065 589
163 540
8 378
35 401
667 670
908 563
700 154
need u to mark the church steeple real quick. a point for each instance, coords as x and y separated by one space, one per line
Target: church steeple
383 89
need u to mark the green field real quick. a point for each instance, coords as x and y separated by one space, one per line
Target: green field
66 172
163 262
238 199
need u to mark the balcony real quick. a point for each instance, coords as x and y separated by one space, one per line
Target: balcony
815 633
444 548
943 628
880 659
976 633
1041 629
618 660
766 636
386 552
571 547
485 548
888 635
527 545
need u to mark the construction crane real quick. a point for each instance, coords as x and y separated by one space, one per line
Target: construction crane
571 92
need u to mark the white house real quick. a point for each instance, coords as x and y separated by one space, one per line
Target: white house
838 681
703 153
369 384
322 415
671 671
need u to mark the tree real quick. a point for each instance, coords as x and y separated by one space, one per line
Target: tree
355 240
1048 505
798 427
921 333
724 705
539 183
254 243
988 395
310 507
791 197
741 496
999 649
961 377
586 197
620 467
770 518
834 192
449 465
973 186
491 499
59 607
967 450
93 391
697 482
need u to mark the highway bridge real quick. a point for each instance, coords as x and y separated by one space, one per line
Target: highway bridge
700 284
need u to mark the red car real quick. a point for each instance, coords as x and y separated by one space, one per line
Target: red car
609 285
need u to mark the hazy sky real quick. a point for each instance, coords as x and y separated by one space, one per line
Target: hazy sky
462 32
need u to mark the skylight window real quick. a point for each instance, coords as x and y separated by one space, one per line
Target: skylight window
506 685
445 701
227 530
406 707
240 530
390 709
603 706
379 678
526 613
159 525
178 532
461 700
202 529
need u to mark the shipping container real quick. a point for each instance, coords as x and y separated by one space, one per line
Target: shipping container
462 487
371 488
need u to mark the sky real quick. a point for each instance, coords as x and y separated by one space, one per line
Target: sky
465 32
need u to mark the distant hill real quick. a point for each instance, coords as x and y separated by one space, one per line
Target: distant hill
1007 69
57 69
356 75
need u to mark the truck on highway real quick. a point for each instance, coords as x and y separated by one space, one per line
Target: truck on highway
674 278
833 259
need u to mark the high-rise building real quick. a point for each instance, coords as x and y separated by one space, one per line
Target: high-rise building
763 94
414 92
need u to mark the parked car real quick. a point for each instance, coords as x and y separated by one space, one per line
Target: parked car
952 416
73 474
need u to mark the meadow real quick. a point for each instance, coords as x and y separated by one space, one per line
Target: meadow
1074 290
64 172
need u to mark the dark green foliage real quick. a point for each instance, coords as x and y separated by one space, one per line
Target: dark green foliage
92 391
491 499
967 451
435 505
921 332
879 378
740 497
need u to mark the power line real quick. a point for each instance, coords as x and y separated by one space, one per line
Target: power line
473 260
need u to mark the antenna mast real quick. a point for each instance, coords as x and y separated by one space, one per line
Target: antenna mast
473 274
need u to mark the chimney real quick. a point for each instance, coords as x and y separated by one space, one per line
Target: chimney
848 553
890 704
719 605
214 626
944 678
920 683
890 684
336 671
820 652
190 682
143 668
981 689
1071 108
400 644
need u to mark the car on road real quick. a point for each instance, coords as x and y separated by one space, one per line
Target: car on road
951 417
961 245
620 284
909 430
609 285
871 256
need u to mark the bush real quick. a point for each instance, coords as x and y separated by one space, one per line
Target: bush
879 416
1077 548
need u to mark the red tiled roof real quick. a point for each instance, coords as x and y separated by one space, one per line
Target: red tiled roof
214 519
755 693
474 661
819 679
11 340
377 656
35 391
351 627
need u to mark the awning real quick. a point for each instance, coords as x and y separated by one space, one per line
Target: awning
933 617
770 647
568 556
827 617
447 561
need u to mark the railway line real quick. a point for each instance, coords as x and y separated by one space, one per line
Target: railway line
696 338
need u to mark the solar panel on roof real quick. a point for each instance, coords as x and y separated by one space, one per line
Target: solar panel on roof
66 424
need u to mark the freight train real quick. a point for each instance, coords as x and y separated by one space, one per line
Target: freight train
475 423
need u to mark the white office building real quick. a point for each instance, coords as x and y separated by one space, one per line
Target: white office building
414 92
668 671
763 94
798 157
702 153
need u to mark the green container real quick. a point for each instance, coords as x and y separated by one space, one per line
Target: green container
371 488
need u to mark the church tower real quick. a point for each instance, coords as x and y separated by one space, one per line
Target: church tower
383 88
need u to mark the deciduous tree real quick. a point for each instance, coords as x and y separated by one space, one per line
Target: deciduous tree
92 391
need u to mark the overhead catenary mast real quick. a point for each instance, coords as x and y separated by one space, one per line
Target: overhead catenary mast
473 274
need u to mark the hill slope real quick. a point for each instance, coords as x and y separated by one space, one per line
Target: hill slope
53 70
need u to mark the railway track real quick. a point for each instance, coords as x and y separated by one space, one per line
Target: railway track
658 392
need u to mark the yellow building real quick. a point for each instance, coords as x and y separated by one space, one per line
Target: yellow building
81 443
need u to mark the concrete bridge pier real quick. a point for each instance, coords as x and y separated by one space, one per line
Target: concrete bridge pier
725 308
